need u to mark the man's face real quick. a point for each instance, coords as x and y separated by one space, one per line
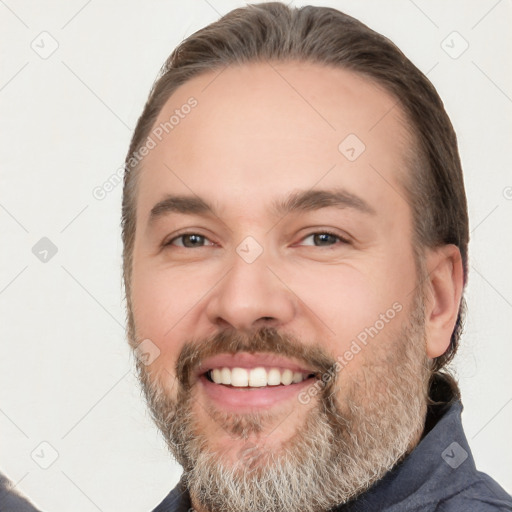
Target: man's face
285 252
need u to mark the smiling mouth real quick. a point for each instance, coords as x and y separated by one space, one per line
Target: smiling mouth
255 378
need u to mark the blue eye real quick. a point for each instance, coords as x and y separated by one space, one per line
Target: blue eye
190 240
323 239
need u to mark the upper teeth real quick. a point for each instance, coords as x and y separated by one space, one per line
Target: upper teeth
255 377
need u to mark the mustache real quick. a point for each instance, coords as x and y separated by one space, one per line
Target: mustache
265 339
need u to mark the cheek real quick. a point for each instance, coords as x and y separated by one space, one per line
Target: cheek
160 298
350 302
342 296
166 304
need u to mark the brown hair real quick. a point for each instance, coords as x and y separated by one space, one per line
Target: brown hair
275 32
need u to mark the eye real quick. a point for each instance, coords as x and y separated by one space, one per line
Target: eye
189 240
322 239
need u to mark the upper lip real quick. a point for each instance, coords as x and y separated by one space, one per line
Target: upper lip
247 360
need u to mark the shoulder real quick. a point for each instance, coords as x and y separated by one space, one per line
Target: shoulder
11 500
482 495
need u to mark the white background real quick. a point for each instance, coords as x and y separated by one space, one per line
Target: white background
66 375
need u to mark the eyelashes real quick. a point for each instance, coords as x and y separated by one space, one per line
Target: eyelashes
189 241
325 236
196 240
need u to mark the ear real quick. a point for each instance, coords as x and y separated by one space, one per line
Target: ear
443 295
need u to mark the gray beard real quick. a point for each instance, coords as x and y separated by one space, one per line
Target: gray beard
365 422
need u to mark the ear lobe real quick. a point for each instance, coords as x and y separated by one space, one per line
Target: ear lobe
444 293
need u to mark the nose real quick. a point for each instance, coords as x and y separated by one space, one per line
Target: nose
251 296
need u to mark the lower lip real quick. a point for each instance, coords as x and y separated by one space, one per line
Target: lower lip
238 399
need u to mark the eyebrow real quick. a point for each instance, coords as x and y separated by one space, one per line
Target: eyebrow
308 200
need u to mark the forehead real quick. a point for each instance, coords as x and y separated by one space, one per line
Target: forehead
243 135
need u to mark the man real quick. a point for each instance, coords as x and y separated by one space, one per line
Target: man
295 239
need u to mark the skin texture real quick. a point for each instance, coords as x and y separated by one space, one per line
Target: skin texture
259 133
